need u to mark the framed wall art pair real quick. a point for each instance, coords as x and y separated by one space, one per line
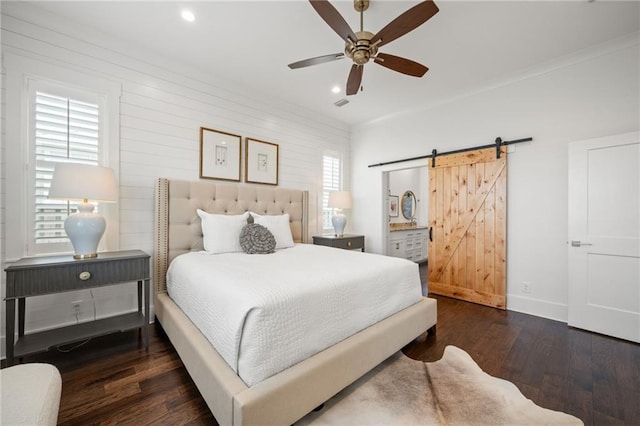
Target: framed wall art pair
221 158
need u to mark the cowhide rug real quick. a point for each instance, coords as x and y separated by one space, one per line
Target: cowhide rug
451 391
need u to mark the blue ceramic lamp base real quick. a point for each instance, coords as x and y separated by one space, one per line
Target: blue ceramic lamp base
85 229
339 221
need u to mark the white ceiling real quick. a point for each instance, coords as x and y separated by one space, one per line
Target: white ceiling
466 45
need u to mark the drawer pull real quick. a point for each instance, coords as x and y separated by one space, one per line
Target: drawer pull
85 275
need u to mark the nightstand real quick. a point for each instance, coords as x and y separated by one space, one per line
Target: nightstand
56 274
347 241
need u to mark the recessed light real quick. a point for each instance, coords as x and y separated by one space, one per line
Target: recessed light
188 16
335 89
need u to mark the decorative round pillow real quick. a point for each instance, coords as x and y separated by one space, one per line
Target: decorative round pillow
256 239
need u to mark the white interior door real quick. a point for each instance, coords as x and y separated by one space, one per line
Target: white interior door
604 235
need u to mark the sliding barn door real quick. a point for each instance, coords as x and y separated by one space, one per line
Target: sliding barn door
467 216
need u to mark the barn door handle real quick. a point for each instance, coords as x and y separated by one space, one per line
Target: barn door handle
579 244
431 233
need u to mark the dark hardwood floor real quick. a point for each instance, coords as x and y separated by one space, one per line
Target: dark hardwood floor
593 377
114 380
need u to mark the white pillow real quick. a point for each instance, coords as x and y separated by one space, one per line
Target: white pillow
279 227
221 232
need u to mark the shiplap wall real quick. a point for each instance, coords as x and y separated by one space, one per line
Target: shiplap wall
162 107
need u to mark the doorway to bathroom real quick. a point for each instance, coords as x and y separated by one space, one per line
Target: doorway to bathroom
407 211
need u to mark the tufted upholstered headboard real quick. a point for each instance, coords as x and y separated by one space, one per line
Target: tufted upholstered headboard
178 225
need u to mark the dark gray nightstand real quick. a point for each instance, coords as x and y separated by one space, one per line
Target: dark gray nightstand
55 274
347 241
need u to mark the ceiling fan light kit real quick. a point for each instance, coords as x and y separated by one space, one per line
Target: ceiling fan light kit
362 46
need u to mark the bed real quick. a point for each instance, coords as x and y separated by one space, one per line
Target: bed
288 395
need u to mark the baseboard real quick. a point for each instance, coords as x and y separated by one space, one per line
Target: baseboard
541 308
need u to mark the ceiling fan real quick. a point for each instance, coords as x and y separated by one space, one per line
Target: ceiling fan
362 46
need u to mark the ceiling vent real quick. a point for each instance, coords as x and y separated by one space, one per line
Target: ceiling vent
341 102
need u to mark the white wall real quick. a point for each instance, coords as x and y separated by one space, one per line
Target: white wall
162 108
593 93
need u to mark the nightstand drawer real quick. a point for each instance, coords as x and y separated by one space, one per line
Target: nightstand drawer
347 242
36 276
87 274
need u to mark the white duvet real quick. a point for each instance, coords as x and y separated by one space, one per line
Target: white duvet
265 313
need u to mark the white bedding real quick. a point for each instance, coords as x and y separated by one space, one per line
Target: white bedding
265 313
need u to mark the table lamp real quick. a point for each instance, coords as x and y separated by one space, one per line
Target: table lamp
83 182
339 200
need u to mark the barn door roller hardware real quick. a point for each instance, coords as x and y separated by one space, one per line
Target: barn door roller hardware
499 143
498 146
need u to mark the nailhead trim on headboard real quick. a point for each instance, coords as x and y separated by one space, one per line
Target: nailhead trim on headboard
161 238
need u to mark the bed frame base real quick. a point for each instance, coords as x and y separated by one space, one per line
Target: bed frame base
288 396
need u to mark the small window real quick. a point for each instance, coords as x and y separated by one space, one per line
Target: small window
332 181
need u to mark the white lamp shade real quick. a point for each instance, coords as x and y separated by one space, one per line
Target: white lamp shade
73 181
339 200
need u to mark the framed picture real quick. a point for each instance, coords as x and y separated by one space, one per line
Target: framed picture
393 206
219 155
261 162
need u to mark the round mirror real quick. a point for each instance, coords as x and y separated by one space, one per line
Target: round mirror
408 205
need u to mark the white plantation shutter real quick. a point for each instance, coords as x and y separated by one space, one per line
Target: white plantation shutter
65 130
332 181
53 114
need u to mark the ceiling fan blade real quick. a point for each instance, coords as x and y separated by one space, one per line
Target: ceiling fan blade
317 60
403 65
408 21
354 80
333 18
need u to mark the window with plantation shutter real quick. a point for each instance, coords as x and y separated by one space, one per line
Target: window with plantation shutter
332 181
53 114
63 130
